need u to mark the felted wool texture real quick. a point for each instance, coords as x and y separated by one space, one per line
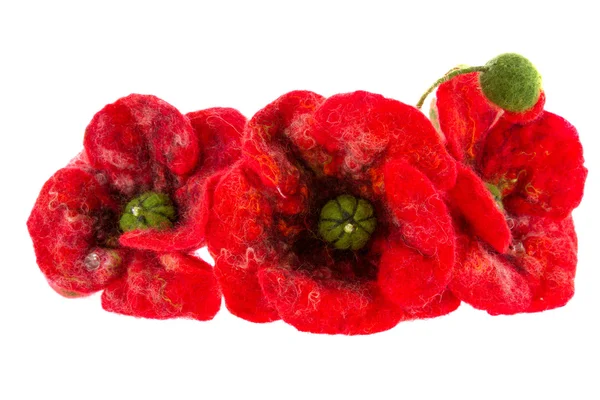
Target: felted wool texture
162 286
301 151
477 205
218 132
545 157
536 274
136 145
75 216
536 165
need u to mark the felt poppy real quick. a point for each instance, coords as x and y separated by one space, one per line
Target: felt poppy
123 215
520 175
333 219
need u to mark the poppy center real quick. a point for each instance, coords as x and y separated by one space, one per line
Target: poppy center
149 211
347 222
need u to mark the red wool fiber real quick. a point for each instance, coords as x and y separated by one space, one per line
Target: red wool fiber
301 151
516 253
135 145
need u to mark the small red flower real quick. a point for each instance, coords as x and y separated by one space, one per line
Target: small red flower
521 175
281 242
138 148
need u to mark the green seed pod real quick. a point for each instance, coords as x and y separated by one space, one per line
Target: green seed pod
511 82
347 222
148 211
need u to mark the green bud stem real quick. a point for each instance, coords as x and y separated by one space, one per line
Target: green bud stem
446 78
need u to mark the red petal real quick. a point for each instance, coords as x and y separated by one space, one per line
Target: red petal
475 202
411 279
420 213
170 285
328 306
488 281
543 161
553 246
73 221
418 266
274 140
443 304
219 132
240 218
357 128
139 141
241 290
537 274
465 115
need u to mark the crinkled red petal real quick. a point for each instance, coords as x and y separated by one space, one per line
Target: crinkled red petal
541 163
410 279
170 285
418 210
359 128
417 266
74 219
275 139
553 245
328 306
141 142
440 305
242 292
235 233
219 132
465 115
477 205
342 136
536 274
487 280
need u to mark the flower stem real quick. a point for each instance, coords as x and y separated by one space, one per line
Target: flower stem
447 77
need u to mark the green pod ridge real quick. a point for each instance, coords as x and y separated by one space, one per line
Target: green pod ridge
347 222
148 211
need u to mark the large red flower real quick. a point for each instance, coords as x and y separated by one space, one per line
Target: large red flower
521 175
133 147
302 151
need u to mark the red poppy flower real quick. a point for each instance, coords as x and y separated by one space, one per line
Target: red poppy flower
125 213
319 178
521 175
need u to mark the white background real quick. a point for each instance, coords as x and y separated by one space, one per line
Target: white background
62 62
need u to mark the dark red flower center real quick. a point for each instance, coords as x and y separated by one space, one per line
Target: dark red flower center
349 251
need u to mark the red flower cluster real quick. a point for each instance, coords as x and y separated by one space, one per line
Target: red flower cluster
345 214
